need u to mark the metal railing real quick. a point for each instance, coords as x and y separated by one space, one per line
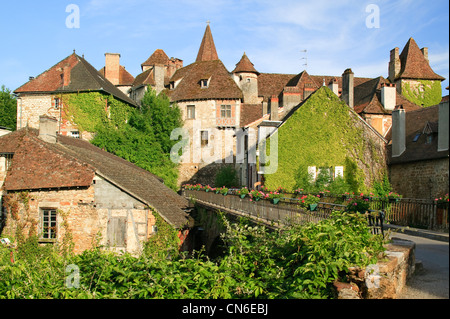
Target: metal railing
286 212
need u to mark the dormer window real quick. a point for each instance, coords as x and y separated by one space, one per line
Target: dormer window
204 83
172 85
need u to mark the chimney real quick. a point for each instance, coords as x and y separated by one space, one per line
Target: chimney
443 127
159 72
48 127
348 87
334 86
398 132
112 67
66 76
394 65
274 108
425 53
388 96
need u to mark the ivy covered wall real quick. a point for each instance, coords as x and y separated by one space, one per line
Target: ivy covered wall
91 110
422 92
323 132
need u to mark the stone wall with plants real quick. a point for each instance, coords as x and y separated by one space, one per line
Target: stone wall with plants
422 92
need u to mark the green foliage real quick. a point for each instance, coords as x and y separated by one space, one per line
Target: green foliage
141 136
383 187
297 262
164 243
8 109
158 116
323 133
226 176
427 93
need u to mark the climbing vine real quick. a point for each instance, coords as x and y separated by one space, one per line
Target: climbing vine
93 110
426 92
323 133
164 241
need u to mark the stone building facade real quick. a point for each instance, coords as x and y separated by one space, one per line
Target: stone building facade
65 190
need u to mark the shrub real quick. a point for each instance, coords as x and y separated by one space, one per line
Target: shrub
227 176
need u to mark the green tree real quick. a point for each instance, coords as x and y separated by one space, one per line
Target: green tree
145 140
8 108
158 116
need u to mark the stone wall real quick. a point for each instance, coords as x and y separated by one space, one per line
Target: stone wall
384 280
83 214
426 179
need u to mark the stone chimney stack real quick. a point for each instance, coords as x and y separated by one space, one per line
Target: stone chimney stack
398 132
112 67
48 127
388 96
274 108
348 87
394 65
334 86
425 53
443 127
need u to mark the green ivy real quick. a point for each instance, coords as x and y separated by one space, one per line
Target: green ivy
323 133
428 93
93 110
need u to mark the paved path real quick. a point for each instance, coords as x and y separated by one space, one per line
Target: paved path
431 280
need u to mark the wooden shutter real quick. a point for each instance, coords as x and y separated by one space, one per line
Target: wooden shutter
117 229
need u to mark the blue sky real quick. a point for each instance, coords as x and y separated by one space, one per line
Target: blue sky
336 34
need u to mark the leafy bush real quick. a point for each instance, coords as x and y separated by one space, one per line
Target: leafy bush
226 176
298 262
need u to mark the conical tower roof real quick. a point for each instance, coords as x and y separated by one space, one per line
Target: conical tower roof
244 65
414 65
207 50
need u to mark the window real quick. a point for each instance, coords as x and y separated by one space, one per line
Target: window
48 224
429 139
8 159
204 138
191 111
416 138
225 111
204 83
57 103
75 134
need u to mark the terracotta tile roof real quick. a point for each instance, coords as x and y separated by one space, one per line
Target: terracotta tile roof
414 65
207 51
270 84
415 122
245 65
250 113
81 77
221 85
35 165
367 98
125 78
159 57
74 162
145 78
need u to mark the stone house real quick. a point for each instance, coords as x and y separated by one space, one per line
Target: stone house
156 72
321 134
418 153
410 71
43 95
58 187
